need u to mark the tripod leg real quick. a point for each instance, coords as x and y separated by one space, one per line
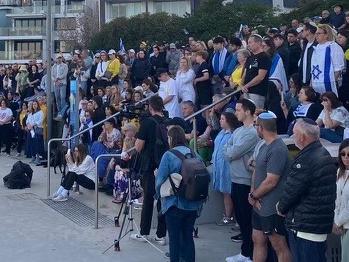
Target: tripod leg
116 219
117 241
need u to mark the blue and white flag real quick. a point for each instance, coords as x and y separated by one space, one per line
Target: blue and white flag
122 47
322 69
277 72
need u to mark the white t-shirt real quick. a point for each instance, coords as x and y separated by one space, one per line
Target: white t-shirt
5 113
166 89
339 114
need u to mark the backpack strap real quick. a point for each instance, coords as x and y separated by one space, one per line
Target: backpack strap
178 154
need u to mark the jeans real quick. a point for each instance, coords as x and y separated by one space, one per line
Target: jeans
243 213
305 250
148 185
331 135
38 145
180 224
82 180
60 95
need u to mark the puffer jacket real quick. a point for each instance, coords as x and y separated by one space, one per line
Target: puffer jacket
310 191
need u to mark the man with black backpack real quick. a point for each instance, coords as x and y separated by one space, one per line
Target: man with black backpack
151 143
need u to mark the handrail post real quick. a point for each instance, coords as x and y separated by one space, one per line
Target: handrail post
96 192
96 185
49 167
195 135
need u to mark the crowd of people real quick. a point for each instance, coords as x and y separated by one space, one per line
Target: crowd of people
289 80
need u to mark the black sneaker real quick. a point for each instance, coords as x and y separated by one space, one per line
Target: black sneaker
237 238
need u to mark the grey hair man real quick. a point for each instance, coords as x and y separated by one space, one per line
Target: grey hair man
308 200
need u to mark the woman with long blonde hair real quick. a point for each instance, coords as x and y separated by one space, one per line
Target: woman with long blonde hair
184 80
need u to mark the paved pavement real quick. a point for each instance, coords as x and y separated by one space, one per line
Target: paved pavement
32 231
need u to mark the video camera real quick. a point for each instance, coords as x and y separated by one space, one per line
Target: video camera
138 111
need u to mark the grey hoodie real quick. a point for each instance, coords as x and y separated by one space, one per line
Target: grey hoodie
238 150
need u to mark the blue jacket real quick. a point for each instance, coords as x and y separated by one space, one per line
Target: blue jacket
172 164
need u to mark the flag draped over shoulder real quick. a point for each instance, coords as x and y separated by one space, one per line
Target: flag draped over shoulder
277 71
322 71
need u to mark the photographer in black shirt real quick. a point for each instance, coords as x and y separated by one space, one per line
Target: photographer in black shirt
145 145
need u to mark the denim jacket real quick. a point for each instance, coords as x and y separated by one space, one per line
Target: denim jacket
172 164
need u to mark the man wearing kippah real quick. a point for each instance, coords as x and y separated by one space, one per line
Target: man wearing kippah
272 163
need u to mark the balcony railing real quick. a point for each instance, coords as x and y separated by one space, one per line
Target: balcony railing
24 31
57 9
10 2
20 55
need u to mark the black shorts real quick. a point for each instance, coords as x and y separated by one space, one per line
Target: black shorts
270 224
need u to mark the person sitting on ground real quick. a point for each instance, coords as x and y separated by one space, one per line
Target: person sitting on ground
109 142
308 107
332 118
80 169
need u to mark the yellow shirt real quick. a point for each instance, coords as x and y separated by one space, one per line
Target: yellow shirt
346 54
114 67
236 76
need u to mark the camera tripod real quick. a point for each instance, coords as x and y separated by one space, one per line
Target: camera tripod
126 210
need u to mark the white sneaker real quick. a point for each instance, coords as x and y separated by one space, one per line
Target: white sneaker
238 258
55 195
160 241
60 198
140 238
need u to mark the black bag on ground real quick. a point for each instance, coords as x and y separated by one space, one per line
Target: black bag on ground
20 176
195 178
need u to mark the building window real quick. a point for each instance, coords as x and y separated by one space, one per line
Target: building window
65 23
28 49
63 46
179 8
124 10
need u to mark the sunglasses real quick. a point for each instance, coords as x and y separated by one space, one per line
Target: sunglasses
343 154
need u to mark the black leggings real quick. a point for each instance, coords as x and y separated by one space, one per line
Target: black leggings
82 180
6 136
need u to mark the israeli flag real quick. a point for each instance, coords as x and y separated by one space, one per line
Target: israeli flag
277 71
122 47
322 69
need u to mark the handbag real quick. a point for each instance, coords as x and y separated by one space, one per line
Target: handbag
107 74
38 130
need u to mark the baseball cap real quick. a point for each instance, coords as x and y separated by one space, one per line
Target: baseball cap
132 51
111 52
97 55
172 45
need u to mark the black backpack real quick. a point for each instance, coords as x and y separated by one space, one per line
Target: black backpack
161 142
195 178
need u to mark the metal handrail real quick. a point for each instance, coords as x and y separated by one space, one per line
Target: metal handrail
203 110
96 184
74 136
211 105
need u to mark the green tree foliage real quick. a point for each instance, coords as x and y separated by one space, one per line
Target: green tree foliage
210 19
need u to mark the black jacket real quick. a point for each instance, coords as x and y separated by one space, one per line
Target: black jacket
295 54
310 191
140 69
